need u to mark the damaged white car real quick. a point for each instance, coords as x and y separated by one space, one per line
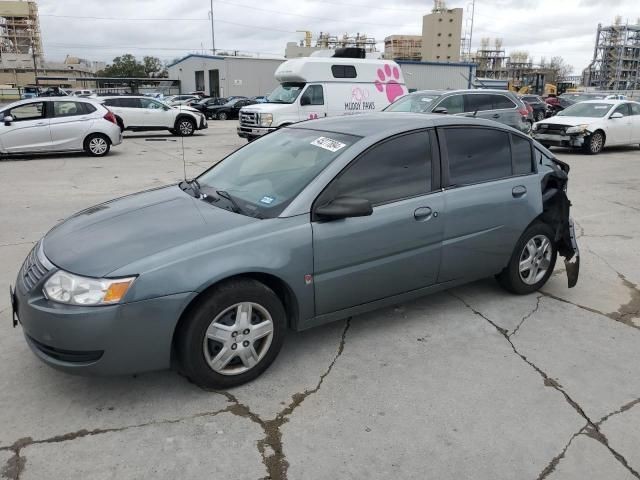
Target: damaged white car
591 125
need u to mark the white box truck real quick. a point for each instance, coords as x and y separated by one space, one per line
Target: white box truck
317 86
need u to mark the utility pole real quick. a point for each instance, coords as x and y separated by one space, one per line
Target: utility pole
473 12
213 38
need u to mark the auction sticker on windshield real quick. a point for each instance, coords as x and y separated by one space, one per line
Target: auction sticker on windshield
328 144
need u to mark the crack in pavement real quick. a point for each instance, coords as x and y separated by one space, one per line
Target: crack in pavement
630 309
270 447
17 243
548 470
592 429
622 409
528 315
15 465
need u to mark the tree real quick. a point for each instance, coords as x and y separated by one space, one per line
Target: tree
153 67
559 69
124 66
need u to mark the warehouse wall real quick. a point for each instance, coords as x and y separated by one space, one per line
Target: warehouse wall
237 75
437 76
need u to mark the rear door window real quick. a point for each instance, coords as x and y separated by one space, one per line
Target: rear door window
67 109
501 102
477 155
478 102
128 102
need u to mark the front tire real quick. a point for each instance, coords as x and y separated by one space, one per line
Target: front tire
532 261
232 335
594 143
222 116
185 127
539 116
97 145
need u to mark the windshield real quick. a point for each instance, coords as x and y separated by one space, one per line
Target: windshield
266 175
415 102
593 110
286 93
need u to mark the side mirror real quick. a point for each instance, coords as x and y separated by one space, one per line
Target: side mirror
344 207
7 120
304 100
614 115
441 110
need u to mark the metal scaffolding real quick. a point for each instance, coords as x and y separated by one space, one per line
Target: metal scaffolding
20 29
616 58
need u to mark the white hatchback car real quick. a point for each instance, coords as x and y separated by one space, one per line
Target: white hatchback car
58 124
591 125
140 113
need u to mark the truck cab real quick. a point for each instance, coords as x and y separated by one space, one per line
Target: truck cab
317 87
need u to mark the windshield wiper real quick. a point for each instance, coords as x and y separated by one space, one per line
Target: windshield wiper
226 196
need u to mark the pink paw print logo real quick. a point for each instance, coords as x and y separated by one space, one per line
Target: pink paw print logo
388 82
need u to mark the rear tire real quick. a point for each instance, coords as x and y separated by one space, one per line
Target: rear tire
539 116
594 143
97 145
532 261
231 335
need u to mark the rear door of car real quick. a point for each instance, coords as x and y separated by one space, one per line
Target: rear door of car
397 248
69 122
130 110
492 194
29 131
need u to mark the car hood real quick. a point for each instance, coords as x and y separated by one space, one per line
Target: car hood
267 107
187 108
106 237
571 121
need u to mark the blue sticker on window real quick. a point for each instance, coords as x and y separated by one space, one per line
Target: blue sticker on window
267 200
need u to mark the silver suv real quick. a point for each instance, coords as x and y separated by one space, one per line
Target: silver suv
497 105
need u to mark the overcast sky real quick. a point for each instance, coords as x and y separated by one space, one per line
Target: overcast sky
170 29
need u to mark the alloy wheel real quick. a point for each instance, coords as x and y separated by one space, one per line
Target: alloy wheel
186 127
596 142
222 116
535 259
98 145
238 338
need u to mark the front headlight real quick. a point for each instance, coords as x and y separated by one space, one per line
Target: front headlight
73 289
578 128
266 119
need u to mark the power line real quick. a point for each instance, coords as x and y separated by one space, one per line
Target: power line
251 7
124 19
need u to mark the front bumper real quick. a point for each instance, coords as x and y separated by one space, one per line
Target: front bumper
253 131
557 140
106 340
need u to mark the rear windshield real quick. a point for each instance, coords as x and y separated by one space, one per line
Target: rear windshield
593 110
414 102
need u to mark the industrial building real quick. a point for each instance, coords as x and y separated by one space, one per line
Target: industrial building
442 33
616 58
327 41
224 76
403 47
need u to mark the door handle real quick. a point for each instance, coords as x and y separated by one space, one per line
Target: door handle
423 214
496 115
519 191
41 124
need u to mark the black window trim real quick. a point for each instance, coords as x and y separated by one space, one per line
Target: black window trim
340 71
444 159
435 169
534 166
